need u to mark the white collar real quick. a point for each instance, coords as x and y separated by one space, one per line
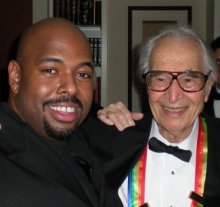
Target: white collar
188 144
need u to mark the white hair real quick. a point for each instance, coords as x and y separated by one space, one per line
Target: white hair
147 47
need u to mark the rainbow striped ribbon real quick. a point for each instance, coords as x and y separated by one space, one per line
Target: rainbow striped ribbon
201 160
136 182
137 176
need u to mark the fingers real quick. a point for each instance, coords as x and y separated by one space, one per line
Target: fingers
117 114
137 115
104 118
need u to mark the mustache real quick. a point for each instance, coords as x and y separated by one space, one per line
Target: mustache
64 99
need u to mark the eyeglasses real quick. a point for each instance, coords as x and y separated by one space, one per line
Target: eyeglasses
189 81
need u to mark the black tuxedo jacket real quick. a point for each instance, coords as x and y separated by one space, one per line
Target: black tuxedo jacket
36 173
209 105
130 144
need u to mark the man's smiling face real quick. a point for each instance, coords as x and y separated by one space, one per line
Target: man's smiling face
174 109
55 81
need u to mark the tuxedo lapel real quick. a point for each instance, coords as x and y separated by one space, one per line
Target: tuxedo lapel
212 182
93 171
117 151
81 169
34 155
77 173
89 164
25 148
209 105
127 148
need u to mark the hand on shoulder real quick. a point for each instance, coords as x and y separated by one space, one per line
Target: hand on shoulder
118 114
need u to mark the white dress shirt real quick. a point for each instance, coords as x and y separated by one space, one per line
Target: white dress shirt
169 180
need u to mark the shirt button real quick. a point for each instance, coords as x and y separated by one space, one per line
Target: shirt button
172 172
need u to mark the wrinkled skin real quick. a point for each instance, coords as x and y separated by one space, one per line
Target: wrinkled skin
174 110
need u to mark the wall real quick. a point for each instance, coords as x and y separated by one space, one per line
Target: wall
117 43
41 9
15 17
217 18
115 30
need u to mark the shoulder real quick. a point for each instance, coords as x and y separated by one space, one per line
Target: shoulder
94 127
104 138
20 187
98 135
95 130
213 125
212 122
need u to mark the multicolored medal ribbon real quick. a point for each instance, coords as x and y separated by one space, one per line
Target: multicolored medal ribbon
136 182
137 176
201 161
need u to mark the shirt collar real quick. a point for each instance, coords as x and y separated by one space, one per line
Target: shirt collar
188 144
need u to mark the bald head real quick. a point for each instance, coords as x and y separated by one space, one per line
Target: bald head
47 30
52 79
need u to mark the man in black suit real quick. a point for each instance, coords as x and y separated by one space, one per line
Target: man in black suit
44 159
177 149
212 106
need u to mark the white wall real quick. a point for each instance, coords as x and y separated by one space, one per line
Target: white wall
217 19
115 29
40 9
117 88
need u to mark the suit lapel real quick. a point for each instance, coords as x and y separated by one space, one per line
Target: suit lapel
212 182
58 157
90 171
81 167
209 105
35 156
24 147
127 148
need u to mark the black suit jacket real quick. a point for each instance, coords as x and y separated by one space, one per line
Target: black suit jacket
36 173
130 144
209 105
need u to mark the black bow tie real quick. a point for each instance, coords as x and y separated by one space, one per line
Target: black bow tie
158 146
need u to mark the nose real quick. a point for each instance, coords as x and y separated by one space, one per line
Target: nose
67 85
174 92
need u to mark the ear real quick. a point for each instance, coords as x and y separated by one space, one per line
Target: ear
14 75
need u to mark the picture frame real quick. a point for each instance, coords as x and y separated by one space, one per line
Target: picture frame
143 22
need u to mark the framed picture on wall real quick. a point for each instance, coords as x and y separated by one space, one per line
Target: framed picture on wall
143 22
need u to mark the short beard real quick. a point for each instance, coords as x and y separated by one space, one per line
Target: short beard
57 134
60 134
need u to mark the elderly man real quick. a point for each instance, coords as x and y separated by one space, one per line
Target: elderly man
178 162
